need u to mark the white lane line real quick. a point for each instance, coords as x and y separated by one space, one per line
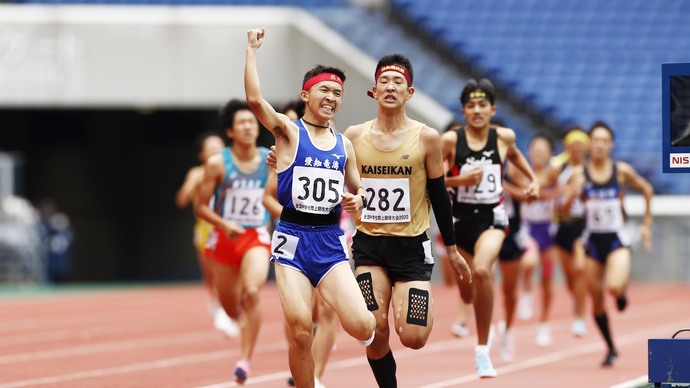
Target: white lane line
454 344
105 347
196 358
116 346
623 340
634 383
141 366
435 347
10 327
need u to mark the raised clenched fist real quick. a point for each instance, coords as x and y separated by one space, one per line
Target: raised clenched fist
255 37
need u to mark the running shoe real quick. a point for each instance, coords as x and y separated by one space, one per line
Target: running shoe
242 370
482 361
526 306
317 383
459 329
223 323
543 338
610 359
578 328
507 342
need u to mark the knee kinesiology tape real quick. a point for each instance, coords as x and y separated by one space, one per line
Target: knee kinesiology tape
418 307
367 288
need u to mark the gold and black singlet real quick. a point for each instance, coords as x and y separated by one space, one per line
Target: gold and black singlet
395 186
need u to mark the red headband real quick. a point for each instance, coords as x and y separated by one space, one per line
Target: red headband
321 77
397 68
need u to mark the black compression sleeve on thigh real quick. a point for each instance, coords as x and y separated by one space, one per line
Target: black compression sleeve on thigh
440 202
417 306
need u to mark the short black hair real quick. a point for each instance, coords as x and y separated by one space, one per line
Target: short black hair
396 59
321 69
484 85
601 124
201 138
227 112
297 105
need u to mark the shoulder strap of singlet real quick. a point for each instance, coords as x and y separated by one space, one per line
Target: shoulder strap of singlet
227 158
460 145
368 126
462 139
614 173
493 138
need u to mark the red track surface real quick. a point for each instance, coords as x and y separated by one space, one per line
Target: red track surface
163 337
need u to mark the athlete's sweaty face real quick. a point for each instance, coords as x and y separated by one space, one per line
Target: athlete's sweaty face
478 112
324 98
392 88
245 127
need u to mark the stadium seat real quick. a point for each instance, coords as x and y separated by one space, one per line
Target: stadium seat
587 60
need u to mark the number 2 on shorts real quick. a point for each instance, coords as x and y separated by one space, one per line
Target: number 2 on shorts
283 245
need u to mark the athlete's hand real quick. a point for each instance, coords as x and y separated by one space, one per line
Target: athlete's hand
351 203
646 237
577 183
271 160
474 176
533 190
255 37
459 263
231 229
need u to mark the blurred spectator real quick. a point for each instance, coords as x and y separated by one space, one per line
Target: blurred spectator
294 109
21 257
57 237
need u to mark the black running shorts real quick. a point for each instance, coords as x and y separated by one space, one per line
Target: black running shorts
403 258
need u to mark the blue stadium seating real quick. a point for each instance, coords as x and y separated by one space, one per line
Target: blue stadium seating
437 79
293 3
577 61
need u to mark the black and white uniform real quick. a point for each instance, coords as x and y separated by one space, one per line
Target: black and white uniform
480 207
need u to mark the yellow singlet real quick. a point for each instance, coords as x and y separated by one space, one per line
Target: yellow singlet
201 228
395 186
